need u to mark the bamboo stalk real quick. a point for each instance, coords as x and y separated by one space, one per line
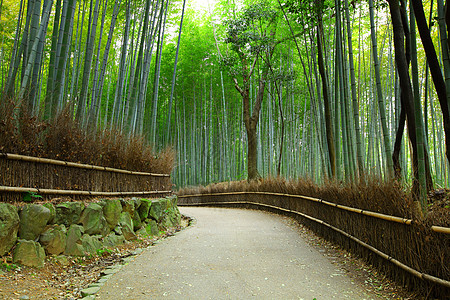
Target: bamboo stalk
75 165
77 193
439 229
408 269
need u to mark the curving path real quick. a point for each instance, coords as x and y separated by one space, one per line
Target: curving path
232 254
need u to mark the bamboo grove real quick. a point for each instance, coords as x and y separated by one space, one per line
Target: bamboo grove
321 89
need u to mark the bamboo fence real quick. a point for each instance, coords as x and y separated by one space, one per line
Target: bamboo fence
440 229
403 245
19 174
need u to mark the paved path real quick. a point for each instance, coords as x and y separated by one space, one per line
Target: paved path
232 254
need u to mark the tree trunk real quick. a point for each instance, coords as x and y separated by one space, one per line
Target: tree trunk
91 120
447 21
61 64
174 75
83 97
435 69
252 153
326 101
359 149
402 119
132 99
31 59
405 84
381 104
99 86
122 70
15 59
398 145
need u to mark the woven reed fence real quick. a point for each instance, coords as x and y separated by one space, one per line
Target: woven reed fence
47 177
413 254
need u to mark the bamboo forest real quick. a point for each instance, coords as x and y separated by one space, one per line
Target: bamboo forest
326 90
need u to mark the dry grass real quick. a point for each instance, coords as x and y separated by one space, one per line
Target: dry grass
62 138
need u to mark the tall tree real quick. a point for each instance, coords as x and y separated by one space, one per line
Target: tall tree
90 41
405 84
435 69
40 35
325 90
174 73
61 64
381 104
252 39
355 105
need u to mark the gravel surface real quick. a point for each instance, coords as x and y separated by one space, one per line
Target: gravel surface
234 254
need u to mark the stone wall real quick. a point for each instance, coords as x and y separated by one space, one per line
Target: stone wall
75 228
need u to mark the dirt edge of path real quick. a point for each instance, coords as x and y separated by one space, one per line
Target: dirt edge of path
355 268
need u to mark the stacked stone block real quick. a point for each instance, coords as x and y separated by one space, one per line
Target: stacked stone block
74 229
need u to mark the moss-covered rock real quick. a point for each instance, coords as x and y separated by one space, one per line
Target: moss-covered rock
91 243
112 210
54 239
144 208
165 203
94 221
29 253
128 205
113 240
174 200
137 223
68 213
73 243
152 227
171 218
156 211
9 226
62 260
165 223
33 220
174 215
142 232
52 209
137 202
126 222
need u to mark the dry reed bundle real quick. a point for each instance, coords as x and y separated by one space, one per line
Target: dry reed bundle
63 139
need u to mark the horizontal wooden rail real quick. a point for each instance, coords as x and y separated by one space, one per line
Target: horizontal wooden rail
9 189
439 229
75 165
408 269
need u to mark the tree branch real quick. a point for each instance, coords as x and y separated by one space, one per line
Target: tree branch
236 85
253 65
